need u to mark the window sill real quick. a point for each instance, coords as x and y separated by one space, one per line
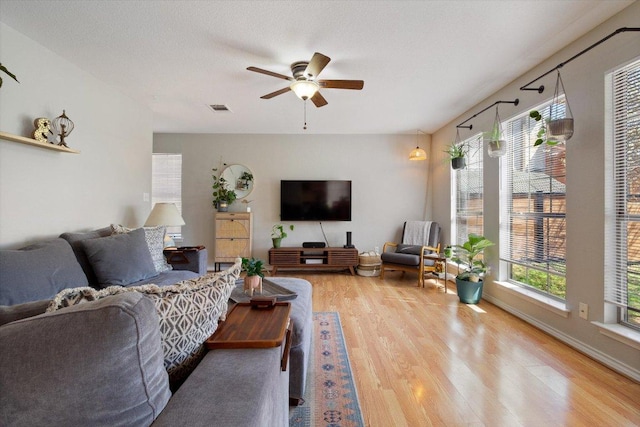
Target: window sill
547 303
620 333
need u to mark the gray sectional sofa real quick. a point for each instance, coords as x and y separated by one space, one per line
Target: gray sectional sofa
98 355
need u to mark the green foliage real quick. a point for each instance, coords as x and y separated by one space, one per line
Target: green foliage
456 150
253 266
549 283
221 191
465 255
278 232
541 135
7 72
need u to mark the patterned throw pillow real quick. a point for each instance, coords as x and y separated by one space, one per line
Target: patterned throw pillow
155 242
189 312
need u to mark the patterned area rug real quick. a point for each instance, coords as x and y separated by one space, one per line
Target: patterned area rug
330 397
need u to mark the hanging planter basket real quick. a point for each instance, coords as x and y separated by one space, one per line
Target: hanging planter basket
560 125
496 144
458 163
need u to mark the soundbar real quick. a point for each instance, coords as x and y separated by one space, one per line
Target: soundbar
313 245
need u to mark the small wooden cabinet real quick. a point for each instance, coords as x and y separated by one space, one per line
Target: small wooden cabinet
233 236
313 259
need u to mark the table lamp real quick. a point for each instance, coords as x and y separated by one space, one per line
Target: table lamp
165 214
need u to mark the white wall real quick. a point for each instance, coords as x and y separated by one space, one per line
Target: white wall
387 188
44 193
584 83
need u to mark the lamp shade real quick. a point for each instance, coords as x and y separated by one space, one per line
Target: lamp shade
418 154
304 89
164 214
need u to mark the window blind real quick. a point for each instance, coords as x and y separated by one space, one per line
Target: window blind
625 289
469 192
166 183
533 222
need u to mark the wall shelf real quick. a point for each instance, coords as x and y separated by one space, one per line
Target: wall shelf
29 141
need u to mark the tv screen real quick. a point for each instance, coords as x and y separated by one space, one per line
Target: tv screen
315 200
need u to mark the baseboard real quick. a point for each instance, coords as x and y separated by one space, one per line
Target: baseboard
594 353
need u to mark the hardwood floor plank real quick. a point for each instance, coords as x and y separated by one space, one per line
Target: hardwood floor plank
420 358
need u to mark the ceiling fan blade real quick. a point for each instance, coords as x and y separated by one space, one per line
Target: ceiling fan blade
341 84
317 64
318 100
269 73
276 93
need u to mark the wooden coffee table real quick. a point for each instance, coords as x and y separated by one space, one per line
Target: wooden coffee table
249 327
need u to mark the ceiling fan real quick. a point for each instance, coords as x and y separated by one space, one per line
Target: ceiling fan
304 82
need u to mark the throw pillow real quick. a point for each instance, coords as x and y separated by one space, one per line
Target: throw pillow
74 240
155 241
38 272
189 312
120 259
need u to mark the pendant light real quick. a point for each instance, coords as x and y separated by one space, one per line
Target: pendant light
418 153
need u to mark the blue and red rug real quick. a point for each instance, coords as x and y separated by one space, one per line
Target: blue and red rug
331 399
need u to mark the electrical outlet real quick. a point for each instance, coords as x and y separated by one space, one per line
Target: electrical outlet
145 197
584 311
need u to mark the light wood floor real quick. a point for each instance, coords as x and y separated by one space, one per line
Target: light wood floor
420 358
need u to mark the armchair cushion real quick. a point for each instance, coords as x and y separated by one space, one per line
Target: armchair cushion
409 249
400 258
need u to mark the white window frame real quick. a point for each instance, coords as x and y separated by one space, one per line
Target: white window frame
468 194
166 184
622 219
531 251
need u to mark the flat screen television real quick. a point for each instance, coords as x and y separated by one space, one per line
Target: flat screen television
315 200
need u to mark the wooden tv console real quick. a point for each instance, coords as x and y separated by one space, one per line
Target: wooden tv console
313 258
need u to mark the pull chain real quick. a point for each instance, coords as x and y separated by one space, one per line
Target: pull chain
305 115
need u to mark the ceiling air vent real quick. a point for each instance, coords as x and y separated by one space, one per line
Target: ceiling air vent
219 108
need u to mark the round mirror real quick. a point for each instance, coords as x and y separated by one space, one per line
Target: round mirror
239 179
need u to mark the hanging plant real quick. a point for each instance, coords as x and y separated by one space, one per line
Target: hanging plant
560 125
497 146
542 136
8 73
457 152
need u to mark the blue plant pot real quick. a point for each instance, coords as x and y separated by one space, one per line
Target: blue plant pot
469 292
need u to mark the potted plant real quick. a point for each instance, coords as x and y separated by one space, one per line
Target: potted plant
496 145
222 195
278 233
471 270
542 132
457 153
255 272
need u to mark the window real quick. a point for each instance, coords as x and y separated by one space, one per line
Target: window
166 184
468 190
533 224
623 189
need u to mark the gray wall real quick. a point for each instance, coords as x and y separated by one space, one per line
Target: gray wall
584 82
387 187
44 193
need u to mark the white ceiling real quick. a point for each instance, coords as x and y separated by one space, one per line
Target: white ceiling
423 62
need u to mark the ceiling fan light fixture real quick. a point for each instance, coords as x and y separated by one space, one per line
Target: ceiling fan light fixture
304 89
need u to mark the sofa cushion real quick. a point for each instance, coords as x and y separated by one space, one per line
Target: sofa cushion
11 313
38 272
188 311
155 242
74 240
95 364
120 259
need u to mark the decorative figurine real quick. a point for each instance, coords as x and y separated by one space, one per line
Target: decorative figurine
63 126
43 130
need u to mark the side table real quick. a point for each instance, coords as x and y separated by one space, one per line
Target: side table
193 258
438 258
249 327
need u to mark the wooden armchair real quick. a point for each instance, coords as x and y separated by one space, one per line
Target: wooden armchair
419 239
